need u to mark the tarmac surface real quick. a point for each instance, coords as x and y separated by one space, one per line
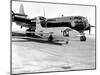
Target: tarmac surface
33 55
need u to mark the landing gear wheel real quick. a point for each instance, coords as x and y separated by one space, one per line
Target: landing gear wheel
50 38
67 42
82 38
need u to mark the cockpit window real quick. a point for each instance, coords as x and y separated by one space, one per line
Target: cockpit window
80 22
78 18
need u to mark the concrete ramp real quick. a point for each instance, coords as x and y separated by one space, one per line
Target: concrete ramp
25 59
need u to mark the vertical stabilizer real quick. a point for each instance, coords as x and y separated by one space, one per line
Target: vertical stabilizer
38 25
21 10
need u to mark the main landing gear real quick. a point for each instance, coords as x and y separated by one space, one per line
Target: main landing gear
50 38
83 37
66 36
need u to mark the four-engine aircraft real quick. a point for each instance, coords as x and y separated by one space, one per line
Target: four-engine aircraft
49 27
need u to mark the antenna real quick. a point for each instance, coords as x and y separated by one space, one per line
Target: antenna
44 12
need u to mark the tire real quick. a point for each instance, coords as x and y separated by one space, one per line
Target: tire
50 38
82 38
67 42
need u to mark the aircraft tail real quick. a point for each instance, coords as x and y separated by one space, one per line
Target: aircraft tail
21 9
38 25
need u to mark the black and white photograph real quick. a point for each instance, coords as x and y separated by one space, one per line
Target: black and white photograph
52 37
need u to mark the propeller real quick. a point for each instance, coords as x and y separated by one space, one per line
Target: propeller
90 29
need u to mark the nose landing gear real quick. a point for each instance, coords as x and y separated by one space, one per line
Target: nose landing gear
50 38
66 36
82 37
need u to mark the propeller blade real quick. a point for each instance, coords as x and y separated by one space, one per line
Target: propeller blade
89 30
92 26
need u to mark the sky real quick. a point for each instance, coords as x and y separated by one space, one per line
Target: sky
33 9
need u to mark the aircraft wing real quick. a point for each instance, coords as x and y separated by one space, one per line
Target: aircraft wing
37 32
40 32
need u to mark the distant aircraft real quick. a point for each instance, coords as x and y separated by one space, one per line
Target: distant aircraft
42 26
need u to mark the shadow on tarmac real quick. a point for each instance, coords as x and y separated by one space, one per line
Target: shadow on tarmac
37 40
